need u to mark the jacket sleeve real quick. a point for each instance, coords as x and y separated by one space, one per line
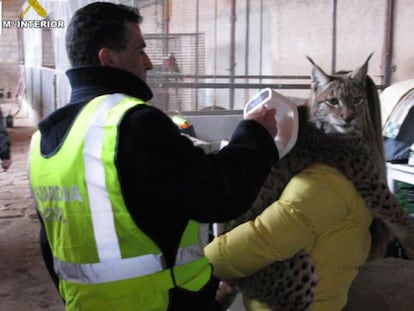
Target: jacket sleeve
161 169
312 202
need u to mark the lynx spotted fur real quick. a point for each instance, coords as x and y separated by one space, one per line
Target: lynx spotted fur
337 128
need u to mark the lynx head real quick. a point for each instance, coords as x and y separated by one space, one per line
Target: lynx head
338 102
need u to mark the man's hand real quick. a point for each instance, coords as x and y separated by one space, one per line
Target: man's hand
265 117
5 164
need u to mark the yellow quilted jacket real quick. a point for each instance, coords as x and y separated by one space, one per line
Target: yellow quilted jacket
320 212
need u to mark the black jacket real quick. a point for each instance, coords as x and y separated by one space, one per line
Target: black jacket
165 180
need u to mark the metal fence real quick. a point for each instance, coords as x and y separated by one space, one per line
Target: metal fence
178 61
215 55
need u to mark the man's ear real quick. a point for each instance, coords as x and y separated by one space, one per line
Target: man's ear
106 57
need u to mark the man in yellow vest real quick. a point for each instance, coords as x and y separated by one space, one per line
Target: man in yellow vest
119 192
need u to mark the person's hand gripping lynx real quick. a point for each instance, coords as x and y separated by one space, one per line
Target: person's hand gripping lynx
263 105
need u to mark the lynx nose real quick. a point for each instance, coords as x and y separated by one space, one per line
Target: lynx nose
348 117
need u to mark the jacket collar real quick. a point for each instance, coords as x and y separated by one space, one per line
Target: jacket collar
88 82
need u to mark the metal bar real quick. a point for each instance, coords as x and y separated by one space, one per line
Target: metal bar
165 25
231 85
389 29
232 51
301 86
261 40
210 112
168 75
247 46
334 24
215 50
168 36
197 50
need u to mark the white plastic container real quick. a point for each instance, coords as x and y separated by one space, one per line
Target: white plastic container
286 117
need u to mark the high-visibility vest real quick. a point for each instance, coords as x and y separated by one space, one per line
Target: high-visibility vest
103 260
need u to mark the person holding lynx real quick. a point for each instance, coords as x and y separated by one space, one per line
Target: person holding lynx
120 192
300 245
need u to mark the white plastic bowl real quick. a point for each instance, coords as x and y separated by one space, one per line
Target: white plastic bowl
286 116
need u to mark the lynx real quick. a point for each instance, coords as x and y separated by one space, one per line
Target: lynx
340 127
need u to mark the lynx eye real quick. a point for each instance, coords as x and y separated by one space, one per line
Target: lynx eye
334 101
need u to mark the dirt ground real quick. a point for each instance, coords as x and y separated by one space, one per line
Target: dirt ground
385 285
25 284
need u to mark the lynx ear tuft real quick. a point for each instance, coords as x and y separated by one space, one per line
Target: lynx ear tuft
360 73
311 60
319 77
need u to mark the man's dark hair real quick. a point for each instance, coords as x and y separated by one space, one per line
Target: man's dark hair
98 25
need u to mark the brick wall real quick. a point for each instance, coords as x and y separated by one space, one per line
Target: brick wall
9 53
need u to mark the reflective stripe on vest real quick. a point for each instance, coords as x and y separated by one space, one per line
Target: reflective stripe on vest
112 266
99 200
102 272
